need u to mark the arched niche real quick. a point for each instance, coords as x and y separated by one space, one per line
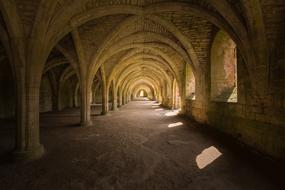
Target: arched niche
223 68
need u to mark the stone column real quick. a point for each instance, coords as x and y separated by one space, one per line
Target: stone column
182 103
20 112
120 99
85 106
28 144
114 100
105 104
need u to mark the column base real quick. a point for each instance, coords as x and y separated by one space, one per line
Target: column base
88 124
30 154
115 109
104 113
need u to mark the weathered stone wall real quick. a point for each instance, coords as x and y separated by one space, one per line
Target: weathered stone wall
261 127
223 68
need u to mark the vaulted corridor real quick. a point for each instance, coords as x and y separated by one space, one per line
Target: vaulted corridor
142 94
141 146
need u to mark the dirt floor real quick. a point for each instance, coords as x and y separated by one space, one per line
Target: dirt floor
140 146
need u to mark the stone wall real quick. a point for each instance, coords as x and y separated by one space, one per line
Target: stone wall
223 68
259 125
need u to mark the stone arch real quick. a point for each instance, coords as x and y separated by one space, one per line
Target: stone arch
55 63
148 91
136 55
158 71
132 82
147 74
147 10
162 54
216 19
137 82
170 27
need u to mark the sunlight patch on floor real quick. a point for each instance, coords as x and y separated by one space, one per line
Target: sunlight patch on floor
172 113
159 109
171 125
207 156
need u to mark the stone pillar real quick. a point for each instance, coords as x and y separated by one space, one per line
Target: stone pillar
105 104
20 113
120 99
93 96
28 144
182 102
114 100
123 100
85 106
114 104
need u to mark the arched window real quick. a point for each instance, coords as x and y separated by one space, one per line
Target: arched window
223 69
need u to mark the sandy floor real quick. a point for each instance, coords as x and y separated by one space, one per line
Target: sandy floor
140 146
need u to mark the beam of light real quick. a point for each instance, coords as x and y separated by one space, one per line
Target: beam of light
171 125
207 156
171 113
155 106
159 109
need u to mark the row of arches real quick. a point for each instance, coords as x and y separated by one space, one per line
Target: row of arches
142 51
223 80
